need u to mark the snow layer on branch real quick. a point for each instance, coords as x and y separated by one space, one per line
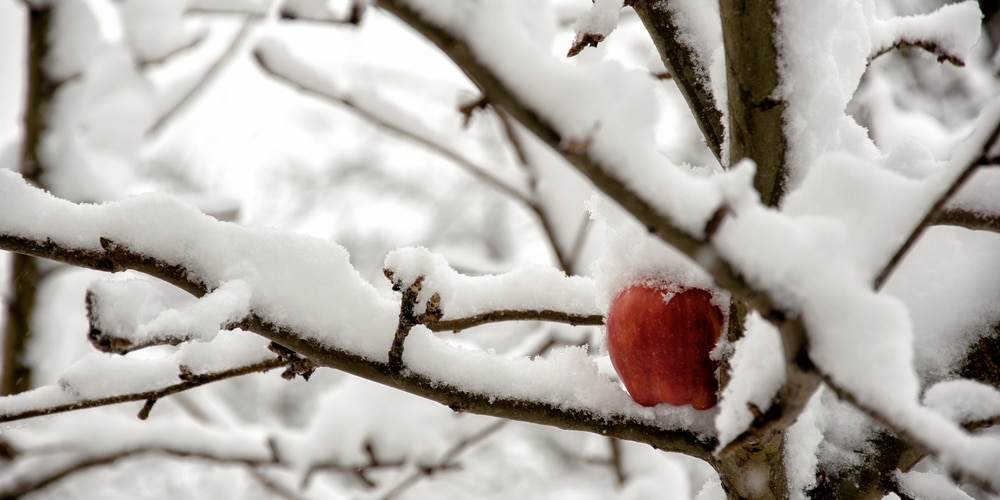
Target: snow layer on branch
953 29
300 282
529 288
757 374
100 375
565 378
917 484
823 51
600 20
964 400
599 108
155 29
143 311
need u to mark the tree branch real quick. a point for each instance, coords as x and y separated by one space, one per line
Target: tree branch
934 212
685 68
565 415
977 221
458 324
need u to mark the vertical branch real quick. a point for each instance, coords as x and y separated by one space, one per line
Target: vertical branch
15 374
756 130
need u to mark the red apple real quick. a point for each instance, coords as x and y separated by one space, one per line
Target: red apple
660 343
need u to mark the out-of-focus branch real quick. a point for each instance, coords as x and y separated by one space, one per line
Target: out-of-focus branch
358 108
24 487
207 78
188 381
359 471
446 462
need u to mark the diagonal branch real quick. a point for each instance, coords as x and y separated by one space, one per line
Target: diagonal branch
936 209
685 68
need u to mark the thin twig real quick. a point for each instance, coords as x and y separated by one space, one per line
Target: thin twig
370 116
189 382
446 461
34 484
458 324
209 77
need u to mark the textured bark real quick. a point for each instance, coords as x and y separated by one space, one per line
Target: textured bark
756 128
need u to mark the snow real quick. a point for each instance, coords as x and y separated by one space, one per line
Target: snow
757 372
299 282
964 400
598 21
155 29
142 310
527 288
929 485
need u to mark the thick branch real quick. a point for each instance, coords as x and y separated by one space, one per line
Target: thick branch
756 117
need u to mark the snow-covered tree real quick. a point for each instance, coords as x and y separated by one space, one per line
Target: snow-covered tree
826 169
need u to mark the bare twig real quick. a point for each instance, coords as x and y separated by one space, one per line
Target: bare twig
188 382
446 462
458 324
940 52
24 487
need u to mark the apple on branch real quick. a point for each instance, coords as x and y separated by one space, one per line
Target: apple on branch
660 339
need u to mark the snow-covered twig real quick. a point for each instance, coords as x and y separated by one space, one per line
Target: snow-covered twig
353 334
446 462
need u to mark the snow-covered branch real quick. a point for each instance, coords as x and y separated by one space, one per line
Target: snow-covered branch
934 32
338 321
